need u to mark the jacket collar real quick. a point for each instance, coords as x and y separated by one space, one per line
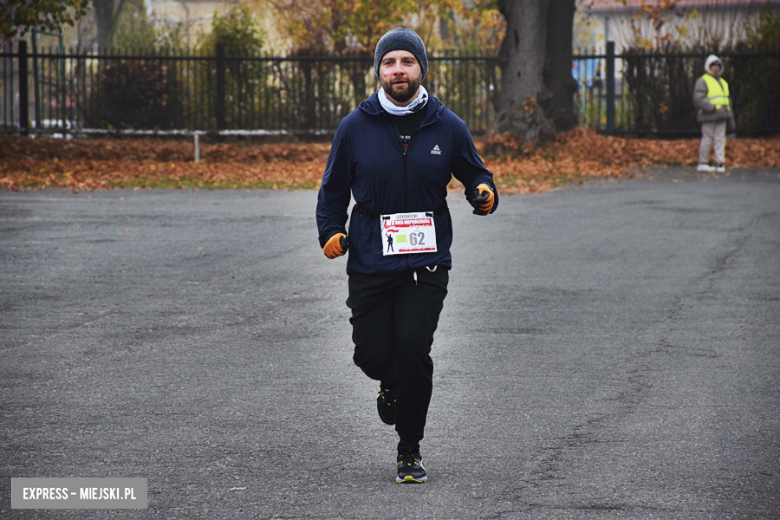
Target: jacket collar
372 107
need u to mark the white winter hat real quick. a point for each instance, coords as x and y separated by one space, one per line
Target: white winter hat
711 59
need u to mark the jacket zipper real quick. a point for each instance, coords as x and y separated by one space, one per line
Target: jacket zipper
406 194
406 204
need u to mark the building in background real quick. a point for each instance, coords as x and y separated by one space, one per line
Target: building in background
653 24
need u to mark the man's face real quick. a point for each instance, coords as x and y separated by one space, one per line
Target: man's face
400 75
715 68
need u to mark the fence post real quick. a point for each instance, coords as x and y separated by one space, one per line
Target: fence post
36 80
220 105
610 88
24 117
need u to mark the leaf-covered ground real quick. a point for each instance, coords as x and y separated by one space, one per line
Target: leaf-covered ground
89 164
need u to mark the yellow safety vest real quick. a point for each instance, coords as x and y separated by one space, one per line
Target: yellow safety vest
717 95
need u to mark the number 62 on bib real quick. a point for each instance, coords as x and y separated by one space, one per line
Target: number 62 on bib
407 233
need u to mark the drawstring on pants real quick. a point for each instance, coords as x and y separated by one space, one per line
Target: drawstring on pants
430 270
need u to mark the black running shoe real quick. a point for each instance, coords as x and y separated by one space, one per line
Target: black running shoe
385 404
410 468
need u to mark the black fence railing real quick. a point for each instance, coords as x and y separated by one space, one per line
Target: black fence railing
652 94
637 94
116 90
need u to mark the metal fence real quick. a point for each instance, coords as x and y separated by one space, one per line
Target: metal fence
79 89
646 94
638 94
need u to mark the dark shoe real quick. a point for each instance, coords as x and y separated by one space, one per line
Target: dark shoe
410 468
385 405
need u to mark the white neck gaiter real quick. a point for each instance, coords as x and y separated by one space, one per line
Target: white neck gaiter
394 110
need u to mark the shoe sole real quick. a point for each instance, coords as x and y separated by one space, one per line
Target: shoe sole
411 480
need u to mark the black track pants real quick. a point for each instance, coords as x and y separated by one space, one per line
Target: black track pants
393 321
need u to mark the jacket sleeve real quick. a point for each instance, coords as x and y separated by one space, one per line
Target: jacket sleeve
700 100
467 166
334 195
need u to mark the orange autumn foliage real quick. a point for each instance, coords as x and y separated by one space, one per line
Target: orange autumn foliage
88 164
582 153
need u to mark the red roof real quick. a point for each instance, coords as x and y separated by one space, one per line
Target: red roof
633 5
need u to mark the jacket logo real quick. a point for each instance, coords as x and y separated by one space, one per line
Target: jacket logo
436 150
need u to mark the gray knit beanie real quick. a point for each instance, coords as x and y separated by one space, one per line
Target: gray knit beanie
401 39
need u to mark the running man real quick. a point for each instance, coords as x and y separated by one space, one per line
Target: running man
395 154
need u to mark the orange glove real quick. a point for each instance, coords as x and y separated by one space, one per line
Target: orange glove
483 200
336 246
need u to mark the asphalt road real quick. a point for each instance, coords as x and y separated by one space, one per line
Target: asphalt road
610 350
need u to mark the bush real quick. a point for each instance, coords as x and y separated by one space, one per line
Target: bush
238 33
661 91
137 94
755 92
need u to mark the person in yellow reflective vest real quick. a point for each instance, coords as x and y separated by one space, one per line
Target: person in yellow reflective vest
712 101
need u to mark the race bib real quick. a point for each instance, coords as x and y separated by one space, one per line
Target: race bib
406 233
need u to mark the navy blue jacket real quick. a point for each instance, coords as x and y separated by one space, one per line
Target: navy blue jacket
368 159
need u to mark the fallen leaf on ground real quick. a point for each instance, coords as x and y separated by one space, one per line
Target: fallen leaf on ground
90 164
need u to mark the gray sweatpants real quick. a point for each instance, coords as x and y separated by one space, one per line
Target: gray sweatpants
713 133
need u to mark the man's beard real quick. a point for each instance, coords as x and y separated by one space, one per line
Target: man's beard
401 93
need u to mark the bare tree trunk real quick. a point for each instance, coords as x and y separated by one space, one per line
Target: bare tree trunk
106 14
537 87
558 101
522 68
